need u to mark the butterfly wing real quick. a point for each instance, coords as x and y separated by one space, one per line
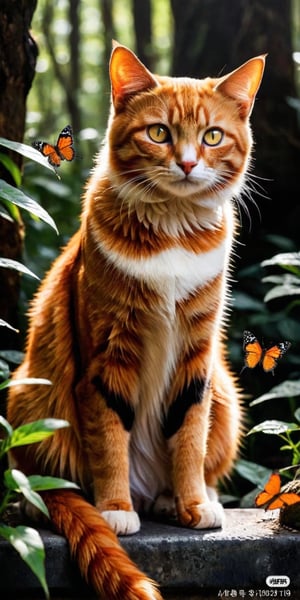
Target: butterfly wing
270 491
64 146
272 355
49 151
252 348
284 499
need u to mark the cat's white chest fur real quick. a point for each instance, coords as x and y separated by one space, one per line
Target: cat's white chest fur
174 274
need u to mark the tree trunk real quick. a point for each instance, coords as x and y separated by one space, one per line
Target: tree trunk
75 83
106 10
143 31
68 79
18 54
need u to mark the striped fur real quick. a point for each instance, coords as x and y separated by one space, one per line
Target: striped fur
129 322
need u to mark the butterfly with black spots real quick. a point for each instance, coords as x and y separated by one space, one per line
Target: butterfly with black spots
256 354
63 149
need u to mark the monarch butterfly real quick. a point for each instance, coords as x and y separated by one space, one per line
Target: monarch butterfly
267 357
272 497
63 150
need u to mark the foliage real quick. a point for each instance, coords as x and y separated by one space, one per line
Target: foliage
26 540
12 198
285 393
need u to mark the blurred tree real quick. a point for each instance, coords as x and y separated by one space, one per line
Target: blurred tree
109 35
18 54
69 78
211 37
142 15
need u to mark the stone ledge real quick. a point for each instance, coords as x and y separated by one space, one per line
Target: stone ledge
186 563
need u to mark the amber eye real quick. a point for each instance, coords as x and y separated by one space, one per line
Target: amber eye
159 133
213 137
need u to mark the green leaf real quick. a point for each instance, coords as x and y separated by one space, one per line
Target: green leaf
277 279
12 211
6 426
243 302
27 151
24 381
28 543
41 483
4 370
37 431
287 289
13 356
16 481
273 426
286 389
5 324
253 472
297 414
248 500
8 263
12 168
16 196
284 258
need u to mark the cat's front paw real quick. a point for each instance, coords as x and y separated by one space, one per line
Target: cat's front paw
122 522
207 515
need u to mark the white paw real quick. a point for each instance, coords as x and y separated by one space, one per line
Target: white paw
212 493
122 522
212 515
164 506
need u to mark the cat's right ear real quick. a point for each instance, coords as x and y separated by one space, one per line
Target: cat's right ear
128 75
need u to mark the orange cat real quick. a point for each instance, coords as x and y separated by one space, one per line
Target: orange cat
129 323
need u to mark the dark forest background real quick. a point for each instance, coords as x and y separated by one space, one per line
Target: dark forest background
54 71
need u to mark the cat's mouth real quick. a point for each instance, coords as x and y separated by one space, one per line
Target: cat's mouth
190 182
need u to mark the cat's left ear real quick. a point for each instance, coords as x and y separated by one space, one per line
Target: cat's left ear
243 83
128 75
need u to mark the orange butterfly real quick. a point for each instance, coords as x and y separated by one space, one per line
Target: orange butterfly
272 497
63 150
267 357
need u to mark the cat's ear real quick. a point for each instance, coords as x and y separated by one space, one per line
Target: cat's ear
243 83
128 75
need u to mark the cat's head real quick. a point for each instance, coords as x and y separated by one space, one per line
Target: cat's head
173 139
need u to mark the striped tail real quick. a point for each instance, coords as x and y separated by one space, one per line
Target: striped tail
102 561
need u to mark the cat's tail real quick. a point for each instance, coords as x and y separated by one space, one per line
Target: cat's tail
102 561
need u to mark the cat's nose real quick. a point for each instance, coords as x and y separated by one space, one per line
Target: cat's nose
187 166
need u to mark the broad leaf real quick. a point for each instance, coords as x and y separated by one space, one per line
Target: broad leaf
4 370
24 381
8 263
273 426
16 481
14 356
41 483
297 414
36 431
287 289
284 258
253 472
16 196
286 389
6 426
11 168
27 151
5 324
28 543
